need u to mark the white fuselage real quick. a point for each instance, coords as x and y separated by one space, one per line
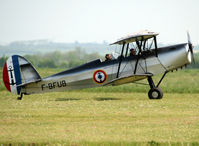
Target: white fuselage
85 76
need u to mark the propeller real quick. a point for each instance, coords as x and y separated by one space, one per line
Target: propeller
190 46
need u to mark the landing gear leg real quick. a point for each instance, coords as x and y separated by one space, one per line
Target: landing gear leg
155 92
20 97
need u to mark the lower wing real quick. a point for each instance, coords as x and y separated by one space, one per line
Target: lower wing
128 79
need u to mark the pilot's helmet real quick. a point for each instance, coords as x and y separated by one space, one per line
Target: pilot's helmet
132 51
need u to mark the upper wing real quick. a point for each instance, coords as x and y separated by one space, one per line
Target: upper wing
142 35
128 79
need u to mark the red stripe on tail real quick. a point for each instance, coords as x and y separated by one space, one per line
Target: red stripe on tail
6 77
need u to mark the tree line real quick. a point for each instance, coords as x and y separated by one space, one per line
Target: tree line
58 59
69 59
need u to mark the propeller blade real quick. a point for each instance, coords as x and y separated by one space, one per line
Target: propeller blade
190 46
188 37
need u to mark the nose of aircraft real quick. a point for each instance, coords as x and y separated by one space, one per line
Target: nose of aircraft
188 54
176 56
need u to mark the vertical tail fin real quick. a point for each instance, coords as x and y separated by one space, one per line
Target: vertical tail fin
17 70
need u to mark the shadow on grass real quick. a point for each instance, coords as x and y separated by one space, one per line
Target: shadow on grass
106 143
106 98
67 99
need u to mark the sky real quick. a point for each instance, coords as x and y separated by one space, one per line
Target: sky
97 20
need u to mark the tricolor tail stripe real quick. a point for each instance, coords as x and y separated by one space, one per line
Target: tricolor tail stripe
12 75
17 72
6 77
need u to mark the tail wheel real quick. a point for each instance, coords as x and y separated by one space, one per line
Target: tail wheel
19 98
155 93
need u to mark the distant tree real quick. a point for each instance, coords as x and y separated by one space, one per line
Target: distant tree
58 59
47 63
3 60
64 65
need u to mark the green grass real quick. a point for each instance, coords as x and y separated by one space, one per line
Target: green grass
120 115
85 118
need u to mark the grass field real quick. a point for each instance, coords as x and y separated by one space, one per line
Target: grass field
99 118
121 116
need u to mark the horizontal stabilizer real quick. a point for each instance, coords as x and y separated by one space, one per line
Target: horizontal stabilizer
128 79
23 84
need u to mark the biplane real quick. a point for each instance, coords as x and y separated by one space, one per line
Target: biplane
21 78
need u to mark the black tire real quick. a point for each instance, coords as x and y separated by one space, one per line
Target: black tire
19 98
155 93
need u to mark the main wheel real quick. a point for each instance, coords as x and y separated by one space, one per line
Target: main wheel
155 93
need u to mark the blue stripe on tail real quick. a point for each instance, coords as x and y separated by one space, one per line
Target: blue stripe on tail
17 72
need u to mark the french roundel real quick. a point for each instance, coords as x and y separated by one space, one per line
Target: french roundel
99 76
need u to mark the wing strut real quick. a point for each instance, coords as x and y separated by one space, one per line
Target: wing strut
121 56
127 49
156 48
138 56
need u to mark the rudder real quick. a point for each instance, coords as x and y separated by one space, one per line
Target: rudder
17 71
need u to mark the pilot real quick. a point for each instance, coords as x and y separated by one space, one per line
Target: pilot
132 52
108 57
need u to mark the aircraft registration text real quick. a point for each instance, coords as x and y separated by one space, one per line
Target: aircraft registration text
53 85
